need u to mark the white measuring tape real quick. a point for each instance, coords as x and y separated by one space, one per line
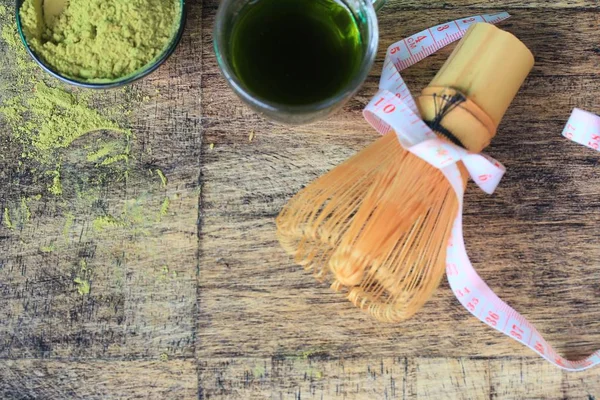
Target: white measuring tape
394 108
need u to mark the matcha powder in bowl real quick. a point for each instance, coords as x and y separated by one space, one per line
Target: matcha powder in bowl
100 43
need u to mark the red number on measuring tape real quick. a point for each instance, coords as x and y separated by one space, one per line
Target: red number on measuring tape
441 152
447 161
568 134
443 28
492 319
594 142
516 332
472 304
395 50
421 38
539 347
559 361
390 108
466 21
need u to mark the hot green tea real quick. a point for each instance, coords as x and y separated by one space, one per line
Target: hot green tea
295 52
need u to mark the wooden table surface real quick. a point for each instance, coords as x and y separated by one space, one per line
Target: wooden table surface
201 302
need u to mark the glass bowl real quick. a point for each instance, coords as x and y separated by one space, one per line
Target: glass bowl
108 84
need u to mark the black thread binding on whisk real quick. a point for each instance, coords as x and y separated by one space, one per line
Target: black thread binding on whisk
448 103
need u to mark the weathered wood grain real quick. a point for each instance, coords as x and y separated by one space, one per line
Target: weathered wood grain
448 378
254 324
311 376
536 379
303 377
51 379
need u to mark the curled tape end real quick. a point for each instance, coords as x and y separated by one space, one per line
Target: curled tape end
584 128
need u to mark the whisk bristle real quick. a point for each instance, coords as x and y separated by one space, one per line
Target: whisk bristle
375 222
314 221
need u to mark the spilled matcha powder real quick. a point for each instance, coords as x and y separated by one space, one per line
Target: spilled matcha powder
46 120
100 40
75 186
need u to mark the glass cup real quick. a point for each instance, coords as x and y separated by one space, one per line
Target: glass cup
364 12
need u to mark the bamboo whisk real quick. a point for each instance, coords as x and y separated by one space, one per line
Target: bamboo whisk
380 222
383 247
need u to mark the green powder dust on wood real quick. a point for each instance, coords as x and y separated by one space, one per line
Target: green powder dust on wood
53 131
115 159
96 40
60 119
71 144
56 187
107 222
83 278
18 214
46 119
105 154
51 119
259 371
83 286
164 274
163 178
68 225
48 249
2 11
25 211
8 35
164 208
83 267
6 219
24 65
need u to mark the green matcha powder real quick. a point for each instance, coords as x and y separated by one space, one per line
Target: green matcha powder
101 40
